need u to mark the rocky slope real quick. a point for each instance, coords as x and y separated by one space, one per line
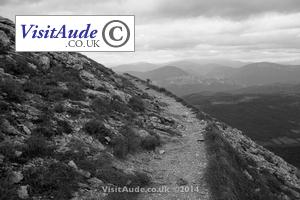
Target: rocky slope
65 124
247 169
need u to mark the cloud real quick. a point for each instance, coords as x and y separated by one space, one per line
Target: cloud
270 30
157 9
225 8
177 29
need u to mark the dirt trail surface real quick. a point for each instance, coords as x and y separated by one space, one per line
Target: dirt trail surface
180 163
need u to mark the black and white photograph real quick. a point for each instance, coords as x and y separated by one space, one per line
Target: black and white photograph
149 100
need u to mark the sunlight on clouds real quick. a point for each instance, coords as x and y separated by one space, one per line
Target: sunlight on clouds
167 30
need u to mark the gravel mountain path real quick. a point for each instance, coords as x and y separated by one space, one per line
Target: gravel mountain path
178 167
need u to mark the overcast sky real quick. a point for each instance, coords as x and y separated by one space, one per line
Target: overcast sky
166 30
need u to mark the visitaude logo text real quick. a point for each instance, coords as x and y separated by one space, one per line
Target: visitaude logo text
74 33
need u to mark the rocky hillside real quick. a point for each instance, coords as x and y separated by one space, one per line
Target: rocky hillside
248 170
65 122
68 126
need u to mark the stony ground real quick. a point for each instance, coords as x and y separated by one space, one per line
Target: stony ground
180 163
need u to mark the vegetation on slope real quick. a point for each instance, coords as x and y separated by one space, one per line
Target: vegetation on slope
65 124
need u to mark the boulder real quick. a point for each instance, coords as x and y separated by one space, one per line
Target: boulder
8 128
161 152
248 175
124 96
86 174
91 79
32 66
77 67
16 177
95 182
143 133
72 164
83 185
26 130
44 62
4 41
23 192
18 153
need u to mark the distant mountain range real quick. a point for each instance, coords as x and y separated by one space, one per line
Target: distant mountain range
265 73
138 67
187 65
186 77
164 75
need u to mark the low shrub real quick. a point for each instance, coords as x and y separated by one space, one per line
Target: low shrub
44 131
119 106
37 146
142 179
64 127
150 142
136 104
161 89
120 147
57 94
48 87
20 67
129 142
75 92
13 90
63 74
146 96
84 161
59 108
102 89
55 180
101 106
133 140
97 129
94 164
8 149
4 107
8 191
45 119
106 107
125 83
73 112
36 86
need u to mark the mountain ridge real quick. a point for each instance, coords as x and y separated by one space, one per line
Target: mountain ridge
219 78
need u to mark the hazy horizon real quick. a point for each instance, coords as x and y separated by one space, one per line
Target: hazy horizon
208 62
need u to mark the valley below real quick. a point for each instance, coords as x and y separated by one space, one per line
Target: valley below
261 99
272 120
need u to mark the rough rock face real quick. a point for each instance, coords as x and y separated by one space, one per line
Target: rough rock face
65 121
281 179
